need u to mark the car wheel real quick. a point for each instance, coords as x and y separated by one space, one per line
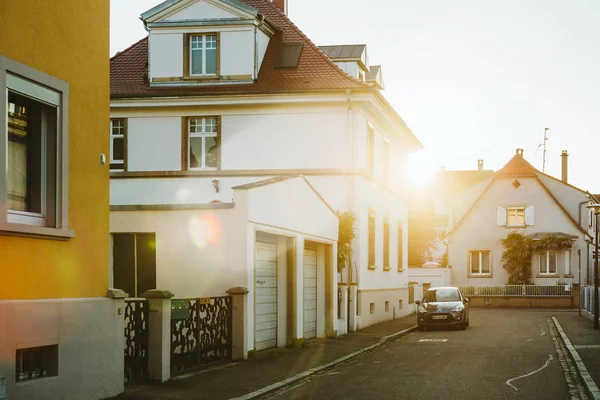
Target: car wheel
464 325
467 322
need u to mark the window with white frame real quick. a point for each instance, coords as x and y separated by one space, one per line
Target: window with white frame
203 54
203 143
515 216
118 130
33 181
479 262
547 261
567 259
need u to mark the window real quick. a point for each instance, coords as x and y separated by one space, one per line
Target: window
203 143
33 181
134 262
567 262
479 261
386 244
371 263
515 216
386 160
548 262
118 131
400 304
387 306
202 55
400 248
370 149
411 292
36 362
372 308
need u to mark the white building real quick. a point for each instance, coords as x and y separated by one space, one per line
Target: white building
209 113
519 198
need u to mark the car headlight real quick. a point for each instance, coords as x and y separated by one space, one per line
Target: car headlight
421 309
458 308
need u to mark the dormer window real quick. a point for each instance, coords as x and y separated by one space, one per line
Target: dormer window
202 55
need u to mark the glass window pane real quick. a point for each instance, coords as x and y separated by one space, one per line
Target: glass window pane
195 125
521 217
211 61
196 152
474 262
212 152
542 262
552 262
196 42
118 149
485 262
568 262
25 153
196 62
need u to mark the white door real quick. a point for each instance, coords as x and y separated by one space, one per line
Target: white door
266 295
310 293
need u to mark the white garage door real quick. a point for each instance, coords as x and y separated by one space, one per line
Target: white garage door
266 295
310 293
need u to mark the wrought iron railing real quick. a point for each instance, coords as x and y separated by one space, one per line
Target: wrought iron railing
517 291
200 331
136 339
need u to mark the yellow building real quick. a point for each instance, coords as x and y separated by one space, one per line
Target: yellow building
58 328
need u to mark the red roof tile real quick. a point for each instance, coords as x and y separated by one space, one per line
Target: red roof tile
517 166
129 76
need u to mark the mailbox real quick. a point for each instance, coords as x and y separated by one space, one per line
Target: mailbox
180 309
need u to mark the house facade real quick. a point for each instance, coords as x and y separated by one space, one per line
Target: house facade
61 337
225 100
519 198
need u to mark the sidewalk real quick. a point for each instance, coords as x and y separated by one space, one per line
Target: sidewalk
585 340
264 368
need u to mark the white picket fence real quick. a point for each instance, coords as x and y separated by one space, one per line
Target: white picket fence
517 291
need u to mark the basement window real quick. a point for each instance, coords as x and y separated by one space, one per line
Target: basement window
36 362
387 306
372 308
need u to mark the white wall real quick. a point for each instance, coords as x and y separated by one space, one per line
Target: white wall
154 144
349 67
166 54
237 53
280 141
436 277
263 43
89 335
480 231
202 10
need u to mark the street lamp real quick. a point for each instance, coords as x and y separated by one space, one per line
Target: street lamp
596 209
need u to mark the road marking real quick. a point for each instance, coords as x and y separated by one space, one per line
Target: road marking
433 340
542 333
550 358
529 340
586 346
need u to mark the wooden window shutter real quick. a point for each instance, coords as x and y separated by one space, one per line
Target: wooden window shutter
529 215
501 216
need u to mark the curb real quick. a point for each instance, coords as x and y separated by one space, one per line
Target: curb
316 370
590 386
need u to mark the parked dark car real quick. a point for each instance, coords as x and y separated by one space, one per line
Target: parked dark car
443 306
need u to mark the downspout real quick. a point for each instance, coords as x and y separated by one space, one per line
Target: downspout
587 199
256 27
351 182
579 261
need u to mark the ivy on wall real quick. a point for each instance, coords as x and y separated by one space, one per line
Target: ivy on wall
517 257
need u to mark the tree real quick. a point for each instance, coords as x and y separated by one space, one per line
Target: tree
346 234
422 236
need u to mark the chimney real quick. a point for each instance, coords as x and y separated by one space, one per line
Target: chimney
479 165
519 152
565 166
282 5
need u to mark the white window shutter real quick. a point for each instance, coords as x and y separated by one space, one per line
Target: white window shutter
501 216
529 218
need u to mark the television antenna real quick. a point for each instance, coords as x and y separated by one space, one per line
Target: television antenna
543 145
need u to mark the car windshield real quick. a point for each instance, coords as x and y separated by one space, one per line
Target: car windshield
441 295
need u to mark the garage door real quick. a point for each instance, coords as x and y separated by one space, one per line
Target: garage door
266 293
310 293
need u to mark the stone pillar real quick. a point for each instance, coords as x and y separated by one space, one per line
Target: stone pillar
342 302
159 334
118 296
353 299
239 323
575 295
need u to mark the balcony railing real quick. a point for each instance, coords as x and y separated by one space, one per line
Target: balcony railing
517 291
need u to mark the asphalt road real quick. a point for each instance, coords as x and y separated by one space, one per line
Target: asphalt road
481 362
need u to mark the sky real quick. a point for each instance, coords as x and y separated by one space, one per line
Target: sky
473 79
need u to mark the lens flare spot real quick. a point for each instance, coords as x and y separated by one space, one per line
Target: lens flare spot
204 230
183 194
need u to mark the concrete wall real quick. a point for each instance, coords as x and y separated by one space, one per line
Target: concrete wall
398 305
479 231
89 335
155 144
436 277
165 50
201 10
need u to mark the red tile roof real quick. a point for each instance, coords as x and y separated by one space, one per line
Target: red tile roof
517 166
129 76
